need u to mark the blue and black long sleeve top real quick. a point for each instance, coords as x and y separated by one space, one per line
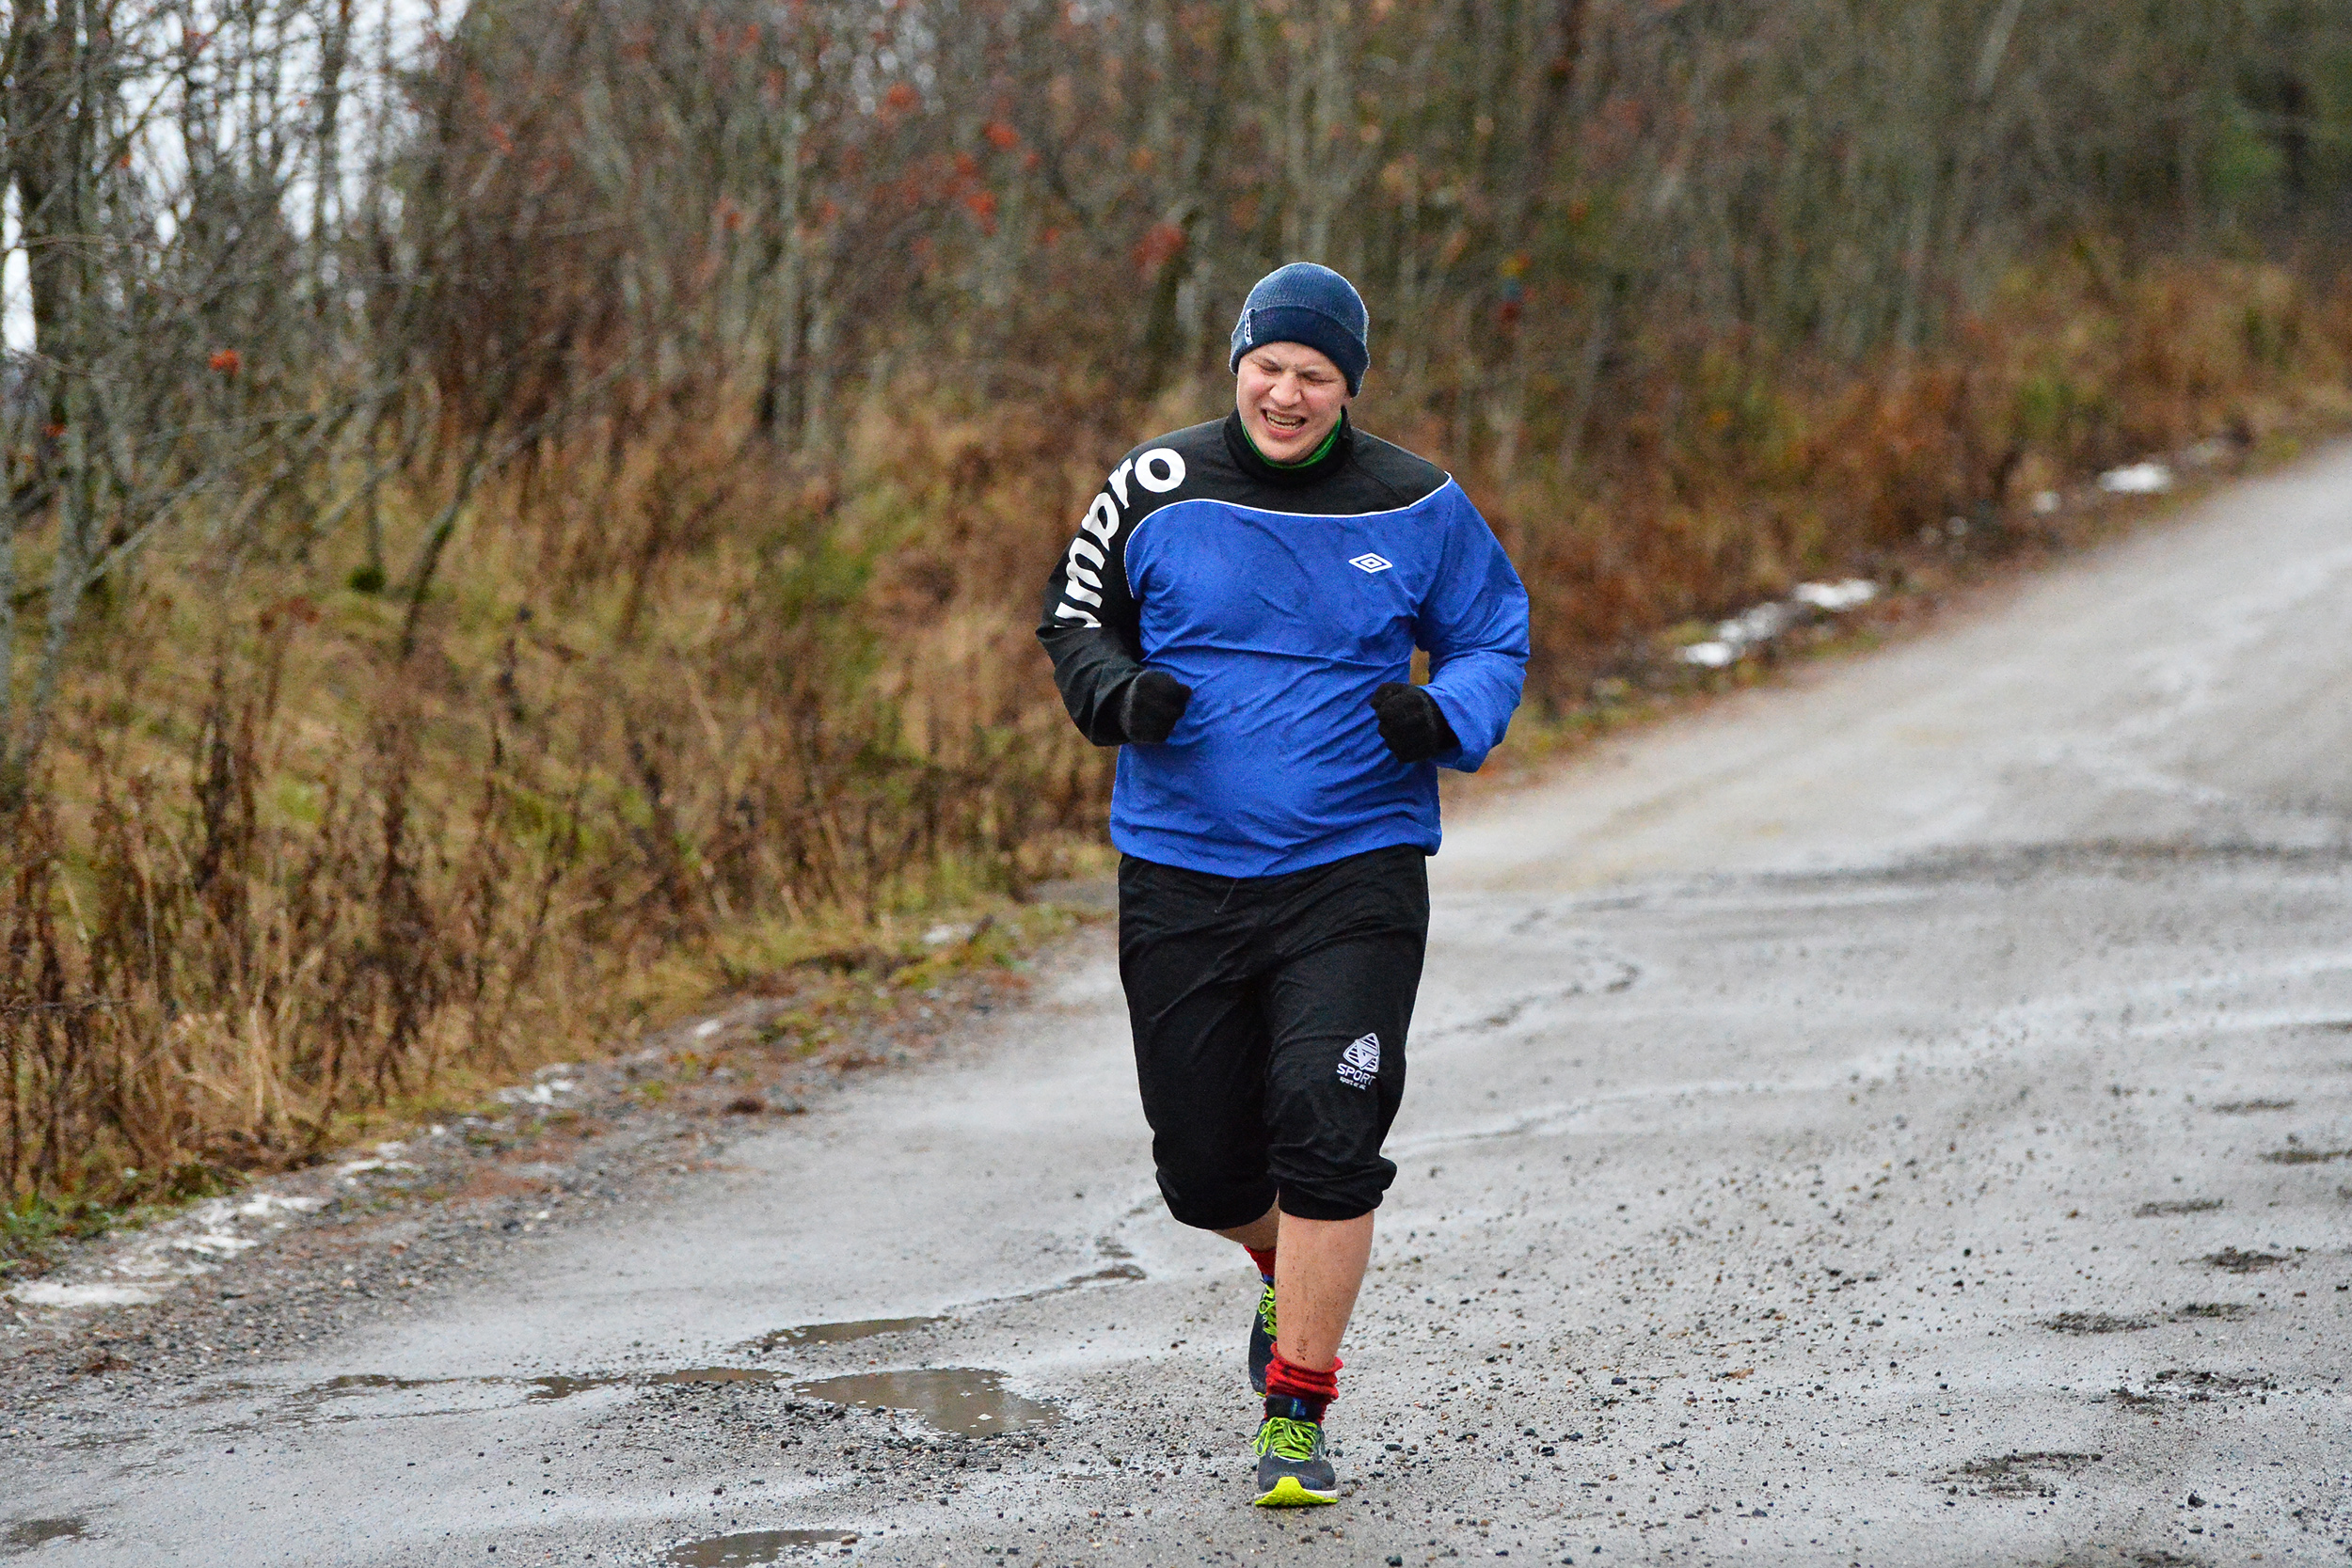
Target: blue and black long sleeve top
1282 597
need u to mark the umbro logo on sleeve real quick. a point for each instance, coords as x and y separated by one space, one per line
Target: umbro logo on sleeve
1159 471
1368 562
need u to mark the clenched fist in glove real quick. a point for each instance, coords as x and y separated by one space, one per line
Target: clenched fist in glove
1155 701
1412 723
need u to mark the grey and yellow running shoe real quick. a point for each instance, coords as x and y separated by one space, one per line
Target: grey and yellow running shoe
1293 1471
1261 1339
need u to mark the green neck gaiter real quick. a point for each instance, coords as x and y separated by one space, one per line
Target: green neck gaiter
1329 440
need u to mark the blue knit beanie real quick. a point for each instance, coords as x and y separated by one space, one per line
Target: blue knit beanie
1303 303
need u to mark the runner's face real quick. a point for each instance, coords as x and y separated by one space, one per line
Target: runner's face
1290 396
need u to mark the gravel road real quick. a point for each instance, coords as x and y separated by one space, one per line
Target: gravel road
1904 1115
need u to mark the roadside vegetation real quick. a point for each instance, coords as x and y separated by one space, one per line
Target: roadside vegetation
521 528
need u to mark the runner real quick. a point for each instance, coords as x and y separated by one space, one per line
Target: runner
1239 610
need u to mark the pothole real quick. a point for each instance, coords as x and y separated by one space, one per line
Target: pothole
2218 1311
2017 1475
752 1547
27 1534
2231 1260
2095 1322
971 1401
838 1334
2177 1387
556 1385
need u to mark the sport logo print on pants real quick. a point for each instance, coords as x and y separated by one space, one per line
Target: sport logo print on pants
1359 1064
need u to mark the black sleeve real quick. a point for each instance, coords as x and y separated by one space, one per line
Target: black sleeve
1090 623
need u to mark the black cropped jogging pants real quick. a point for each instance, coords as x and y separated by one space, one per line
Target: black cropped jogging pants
1271 1015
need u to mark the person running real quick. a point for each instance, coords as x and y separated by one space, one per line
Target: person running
1239 609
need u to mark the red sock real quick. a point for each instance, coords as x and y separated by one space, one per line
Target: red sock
1263 1258
1286 1379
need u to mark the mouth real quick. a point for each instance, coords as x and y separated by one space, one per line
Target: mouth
1282 424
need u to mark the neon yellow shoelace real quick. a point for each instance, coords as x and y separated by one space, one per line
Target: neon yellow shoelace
1287 1439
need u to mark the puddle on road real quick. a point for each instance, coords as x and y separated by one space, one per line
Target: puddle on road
967 1399
839 1333
752 1547
1118 1272
374 1383
26 1534
564 1388
555 1387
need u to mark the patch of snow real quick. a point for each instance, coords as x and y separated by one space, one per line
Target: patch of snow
1760 625
361 1167
45 1292
1710 656
940 935
537 1094
708 1027
2137 479
1836 596
2047 501
210 1230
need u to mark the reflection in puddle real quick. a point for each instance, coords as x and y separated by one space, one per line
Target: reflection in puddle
758 1545
967 1399
556 1386
841 1334
373 1383
27 1533
565 1388
953 1399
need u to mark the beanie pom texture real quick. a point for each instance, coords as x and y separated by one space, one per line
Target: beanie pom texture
1303 303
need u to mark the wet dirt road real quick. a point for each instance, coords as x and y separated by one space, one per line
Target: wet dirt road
1903 1117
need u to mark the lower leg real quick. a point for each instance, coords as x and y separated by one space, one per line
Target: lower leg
1259 1233
1318 1271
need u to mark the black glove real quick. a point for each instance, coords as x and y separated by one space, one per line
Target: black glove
1412 723
1155 701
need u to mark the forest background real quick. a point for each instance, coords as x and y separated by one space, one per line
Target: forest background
520 520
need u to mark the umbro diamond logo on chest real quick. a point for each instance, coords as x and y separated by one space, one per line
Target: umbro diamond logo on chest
1368 562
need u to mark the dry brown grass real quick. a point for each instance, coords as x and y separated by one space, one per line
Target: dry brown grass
1731 475
680 714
